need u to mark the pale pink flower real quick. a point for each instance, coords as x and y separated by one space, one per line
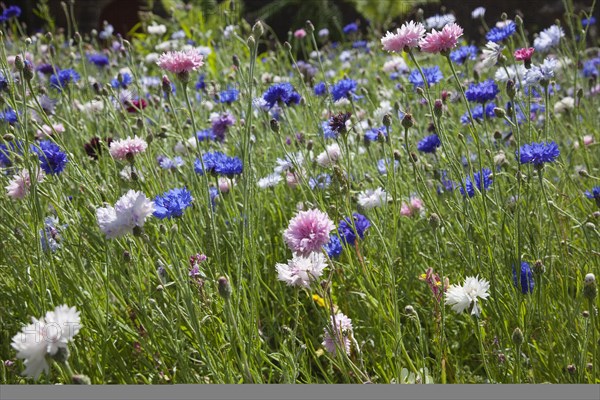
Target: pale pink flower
338 334
19 185
413 208
300 34
225 185
308 231
442 41
587 140
131 210
330 156
407 36
121 149
291 179
47 130
179 62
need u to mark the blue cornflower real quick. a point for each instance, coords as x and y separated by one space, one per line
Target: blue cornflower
499 34
7 150
281 93
328 133
429 144
126 80
201 85
168 163
585 22
343 89
213 193
322 181
320 88
481 180
3 83
45 68
11 12
9 115
360 44
63 78
594 194
460 55
432 74
353 27
333 247
590 69
525 279
448 184
172 203
228 96
99 60
346 228
219 164
482 92
538 153
478 113
382 165
52 159
206 134
372 135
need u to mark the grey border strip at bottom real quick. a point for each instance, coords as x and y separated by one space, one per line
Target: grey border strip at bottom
313 392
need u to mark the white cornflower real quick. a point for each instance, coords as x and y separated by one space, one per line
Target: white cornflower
548 38
45 336
301 271
130 211
565 104
330 156
396 64
369 198
269 181
479 12
291 161
461 297
158 30
516 73
439 21
491 53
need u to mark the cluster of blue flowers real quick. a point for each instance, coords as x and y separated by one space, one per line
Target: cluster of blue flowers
10 12
281 93
229 96
429 144
433 75
344 89
478 113
172 203
100 60
538 153
52 159
497 34
217 163
351 227
481 181
482 92
126 80
334 247
463 53
60 80
372 134
9 115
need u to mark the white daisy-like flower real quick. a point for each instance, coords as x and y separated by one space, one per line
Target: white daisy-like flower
301 271
330 156
565 104
477 13
157 30
491 53
46 336
269 181
461 297
130 211
369 198
516 73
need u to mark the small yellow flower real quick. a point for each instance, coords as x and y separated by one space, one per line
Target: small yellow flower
319 300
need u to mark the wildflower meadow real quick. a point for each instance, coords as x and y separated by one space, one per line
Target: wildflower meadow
198 201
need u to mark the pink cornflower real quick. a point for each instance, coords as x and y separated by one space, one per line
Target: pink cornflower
407 36
300 34
181 62
588 140
126 148
524 54
47 130
19 185
338 334
442 41
308 232
415 207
